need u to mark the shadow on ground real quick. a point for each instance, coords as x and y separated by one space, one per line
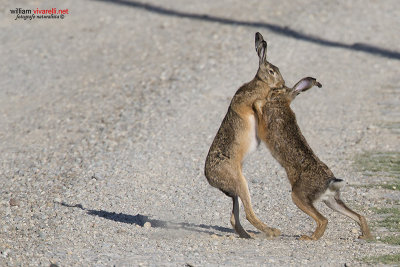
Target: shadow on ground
282 30
140 220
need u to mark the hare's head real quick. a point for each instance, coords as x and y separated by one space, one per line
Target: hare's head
267 72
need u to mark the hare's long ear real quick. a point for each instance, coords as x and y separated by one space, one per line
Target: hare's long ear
261 47
259 39
262 52
305 84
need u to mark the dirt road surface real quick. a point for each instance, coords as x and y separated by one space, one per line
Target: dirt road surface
107 115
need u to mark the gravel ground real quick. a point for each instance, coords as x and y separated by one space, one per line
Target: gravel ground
106 118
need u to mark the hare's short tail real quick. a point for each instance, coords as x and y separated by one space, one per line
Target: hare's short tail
336 184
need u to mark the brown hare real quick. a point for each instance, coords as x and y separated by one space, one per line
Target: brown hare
310 178
237 136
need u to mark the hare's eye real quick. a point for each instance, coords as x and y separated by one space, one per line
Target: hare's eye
271 72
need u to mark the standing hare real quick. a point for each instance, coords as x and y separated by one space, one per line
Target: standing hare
237 136
310 178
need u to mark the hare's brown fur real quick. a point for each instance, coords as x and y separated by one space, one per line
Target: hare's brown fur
237 136
309 177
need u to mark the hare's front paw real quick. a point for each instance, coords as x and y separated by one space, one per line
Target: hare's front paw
258 106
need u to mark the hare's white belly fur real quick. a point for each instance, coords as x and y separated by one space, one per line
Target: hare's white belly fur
252 139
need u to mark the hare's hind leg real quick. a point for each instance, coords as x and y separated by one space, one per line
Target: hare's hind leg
244 195
235 219
306 206
338 205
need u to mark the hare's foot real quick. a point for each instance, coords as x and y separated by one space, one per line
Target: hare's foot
247 235
272 232
241 232
236 222
307 206
306 237
269 233
366 237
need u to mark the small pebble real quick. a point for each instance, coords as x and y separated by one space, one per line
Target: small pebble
98 177
5 253
147 225
14 202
